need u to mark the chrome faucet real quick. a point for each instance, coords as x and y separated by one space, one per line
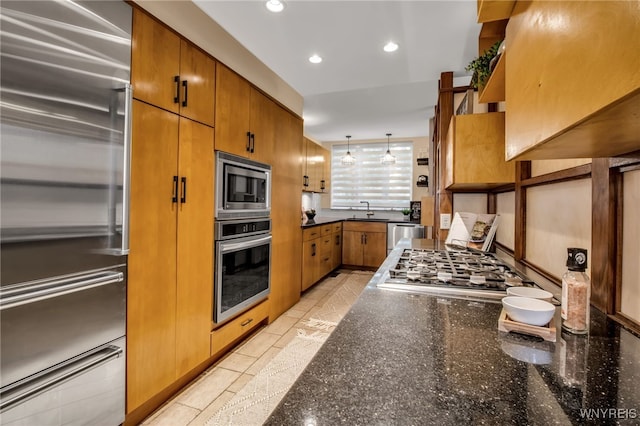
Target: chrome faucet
369 212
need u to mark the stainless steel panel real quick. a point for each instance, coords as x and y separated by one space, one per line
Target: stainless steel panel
45 332
87 389
64 124
398 231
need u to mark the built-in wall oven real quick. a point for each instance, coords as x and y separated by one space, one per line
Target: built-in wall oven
243 187
242 266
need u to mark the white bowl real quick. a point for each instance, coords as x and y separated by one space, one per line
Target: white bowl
527 310
532 292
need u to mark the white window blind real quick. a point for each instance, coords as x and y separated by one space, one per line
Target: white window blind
384 186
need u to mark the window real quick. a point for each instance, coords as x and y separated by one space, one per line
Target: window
384 186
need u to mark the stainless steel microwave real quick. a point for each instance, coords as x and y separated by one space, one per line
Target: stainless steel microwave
243 187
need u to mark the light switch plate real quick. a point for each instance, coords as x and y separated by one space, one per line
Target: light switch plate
445 220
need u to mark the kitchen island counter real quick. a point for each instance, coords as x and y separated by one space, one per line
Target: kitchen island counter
403 358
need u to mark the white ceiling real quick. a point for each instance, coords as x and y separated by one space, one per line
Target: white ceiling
358 89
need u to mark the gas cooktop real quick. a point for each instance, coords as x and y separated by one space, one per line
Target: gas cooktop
454 272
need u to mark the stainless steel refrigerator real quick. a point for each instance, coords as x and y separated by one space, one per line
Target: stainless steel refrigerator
64 167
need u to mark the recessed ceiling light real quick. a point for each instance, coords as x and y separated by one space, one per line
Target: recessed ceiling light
315 59
390 47
275 5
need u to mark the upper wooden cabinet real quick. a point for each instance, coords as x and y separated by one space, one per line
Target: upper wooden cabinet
245 118
170 72
494 10
572 79
475 153
316 167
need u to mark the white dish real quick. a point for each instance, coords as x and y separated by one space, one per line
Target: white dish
527 310
532 292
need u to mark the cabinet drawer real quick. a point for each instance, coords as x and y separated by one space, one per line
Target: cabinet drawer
337 227
228 333
326 229
311 233
365 226
326 244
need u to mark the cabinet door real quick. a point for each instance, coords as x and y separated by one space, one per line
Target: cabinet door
375 249
155 62
197 84
264 116
310 262
286 243
352 247
194 302
336 252
233 95
151 287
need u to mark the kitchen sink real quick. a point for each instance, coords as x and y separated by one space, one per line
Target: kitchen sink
366 219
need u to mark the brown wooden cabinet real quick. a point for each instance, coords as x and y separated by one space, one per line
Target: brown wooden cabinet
170 272
474 153
245 118
572 80
286 244
316 174
170 72
364 243
336 251
321 252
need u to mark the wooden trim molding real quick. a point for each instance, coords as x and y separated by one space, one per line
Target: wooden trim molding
604 221
523 172
578 172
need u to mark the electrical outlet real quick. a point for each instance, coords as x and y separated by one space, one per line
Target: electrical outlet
445 220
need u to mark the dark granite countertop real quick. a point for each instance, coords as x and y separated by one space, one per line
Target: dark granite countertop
399 358
324 220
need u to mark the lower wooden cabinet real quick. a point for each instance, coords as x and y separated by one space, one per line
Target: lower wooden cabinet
364 243
321 252
234 330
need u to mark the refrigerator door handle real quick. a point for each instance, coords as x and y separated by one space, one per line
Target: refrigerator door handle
40 383
126 167
36 291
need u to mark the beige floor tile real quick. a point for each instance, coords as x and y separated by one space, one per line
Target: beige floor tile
204 391
286 338
239 383
281 325
263 360
211 409
295 313
237 362
311 312
304 305
258 344
174 415
315 294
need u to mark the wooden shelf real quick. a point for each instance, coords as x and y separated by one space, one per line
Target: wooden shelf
490 33
493 91
616 122
494 10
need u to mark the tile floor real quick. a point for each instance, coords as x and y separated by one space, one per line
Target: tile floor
196 403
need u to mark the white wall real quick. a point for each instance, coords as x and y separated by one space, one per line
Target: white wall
558 217
631 246
506 208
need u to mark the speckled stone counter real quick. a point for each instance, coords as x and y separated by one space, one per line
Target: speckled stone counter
320 221
415 359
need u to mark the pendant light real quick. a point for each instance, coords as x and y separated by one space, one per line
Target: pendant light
348 159
387 158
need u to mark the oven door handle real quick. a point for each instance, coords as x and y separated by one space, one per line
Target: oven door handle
230 246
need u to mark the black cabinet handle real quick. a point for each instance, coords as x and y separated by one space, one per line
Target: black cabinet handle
248 147
174 199
176 80
186 93
313 249
305 180
183 198
253 142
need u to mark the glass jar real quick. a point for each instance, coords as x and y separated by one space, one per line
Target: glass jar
576 293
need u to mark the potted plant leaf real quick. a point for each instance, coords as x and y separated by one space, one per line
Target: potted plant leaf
481 66
407 214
